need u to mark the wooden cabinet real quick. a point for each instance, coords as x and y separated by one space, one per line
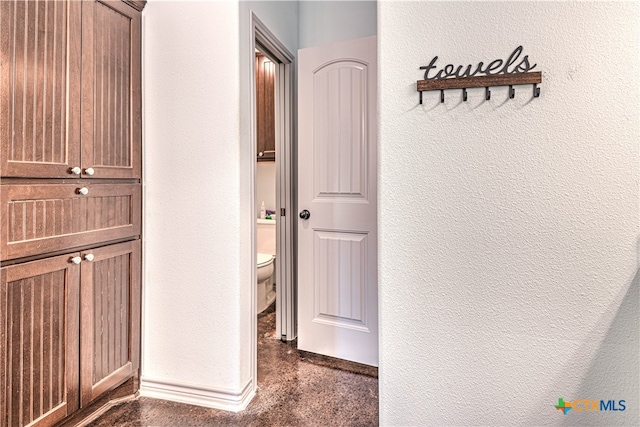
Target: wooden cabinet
110 320
54 357
70 206
39 341
40 78
71 98
111 94
265 109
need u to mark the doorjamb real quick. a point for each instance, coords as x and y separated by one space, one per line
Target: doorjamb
265 40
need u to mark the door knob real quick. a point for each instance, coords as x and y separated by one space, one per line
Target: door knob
305 214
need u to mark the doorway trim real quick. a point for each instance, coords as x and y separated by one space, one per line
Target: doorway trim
265 41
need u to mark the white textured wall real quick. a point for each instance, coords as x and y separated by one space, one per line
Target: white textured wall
325 22
198 256
509 228
192 292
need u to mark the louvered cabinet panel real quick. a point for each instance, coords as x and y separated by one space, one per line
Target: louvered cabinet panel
111 87
39 330
40 88
47 217
110 323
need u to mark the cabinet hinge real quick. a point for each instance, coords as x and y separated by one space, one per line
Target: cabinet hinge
282 211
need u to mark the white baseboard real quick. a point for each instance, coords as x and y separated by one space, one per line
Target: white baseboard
196 394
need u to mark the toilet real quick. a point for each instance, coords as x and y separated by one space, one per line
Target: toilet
266 289
266 247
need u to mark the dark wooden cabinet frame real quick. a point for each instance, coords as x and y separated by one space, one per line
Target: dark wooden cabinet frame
70 206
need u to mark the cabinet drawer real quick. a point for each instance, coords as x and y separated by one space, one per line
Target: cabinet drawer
41 218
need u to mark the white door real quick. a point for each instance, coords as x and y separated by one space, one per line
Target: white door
337 244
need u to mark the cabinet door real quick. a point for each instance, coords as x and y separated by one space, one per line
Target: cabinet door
110 323
111 89
39 88
265 109
40 218
39 329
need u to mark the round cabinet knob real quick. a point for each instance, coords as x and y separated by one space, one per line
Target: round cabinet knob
75 260
305 214
75 171
83 191
89 257
89 171
260 154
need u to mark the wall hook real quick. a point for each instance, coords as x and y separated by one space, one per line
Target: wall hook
536 90
507 80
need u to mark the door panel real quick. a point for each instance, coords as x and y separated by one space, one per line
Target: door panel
339 282
111 101
337 245
40 80
339 130
110 297
40 218
39 330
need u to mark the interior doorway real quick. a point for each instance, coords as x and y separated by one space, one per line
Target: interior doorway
281 63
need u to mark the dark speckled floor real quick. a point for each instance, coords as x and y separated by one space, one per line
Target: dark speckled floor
294 390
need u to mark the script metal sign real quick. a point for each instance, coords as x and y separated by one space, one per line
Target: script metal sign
497 66
515 70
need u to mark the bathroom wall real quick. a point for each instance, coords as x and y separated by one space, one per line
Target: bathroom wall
265 186
508 229
324 22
